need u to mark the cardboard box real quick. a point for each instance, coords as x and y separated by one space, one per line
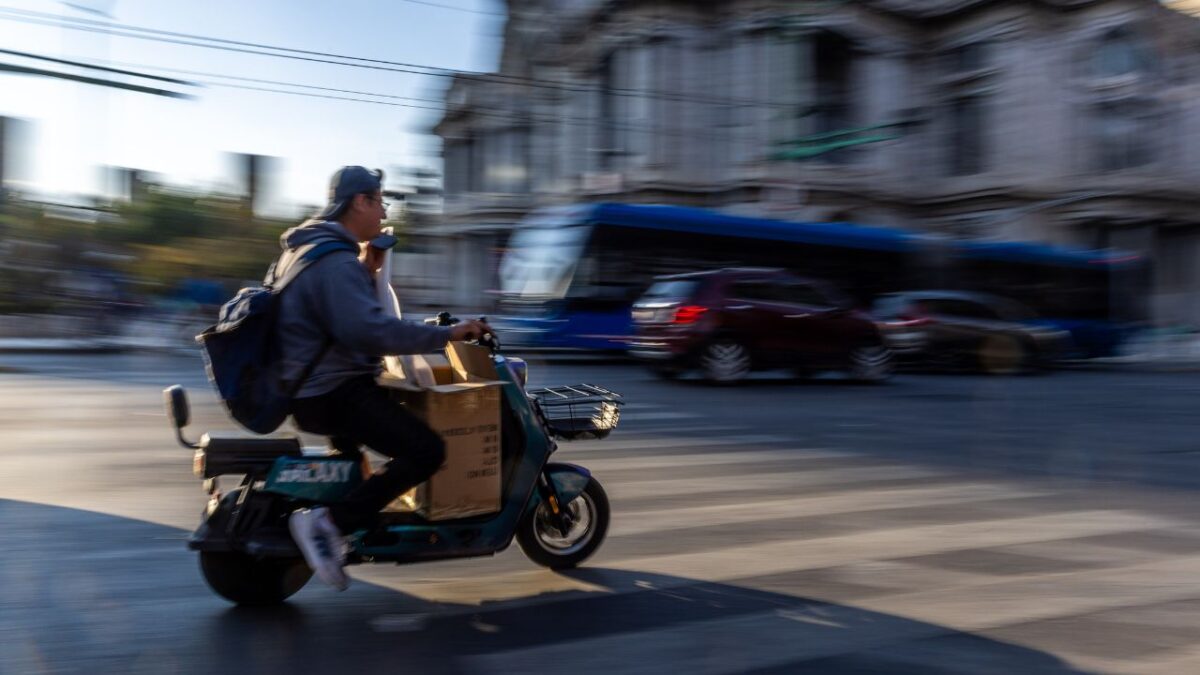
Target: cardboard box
471 363
466 414
443 373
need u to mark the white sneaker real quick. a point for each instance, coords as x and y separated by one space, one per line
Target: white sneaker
323 546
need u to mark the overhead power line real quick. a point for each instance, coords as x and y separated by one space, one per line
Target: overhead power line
185 39
502 116
259 49
240 78
80 64
609 123
355 96
328 93
314 95
41 72
457 9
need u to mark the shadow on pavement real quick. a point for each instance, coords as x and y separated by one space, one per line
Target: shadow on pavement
88 592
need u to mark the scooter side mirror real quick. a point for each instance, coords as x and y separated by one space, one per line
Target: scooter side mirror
179 412
177 406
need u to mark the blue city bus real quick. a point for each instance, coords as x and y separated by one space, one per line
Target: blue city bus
570 274
1099 297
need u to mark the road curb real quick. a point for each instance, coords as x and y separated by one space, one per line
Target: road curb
1135 365
58 346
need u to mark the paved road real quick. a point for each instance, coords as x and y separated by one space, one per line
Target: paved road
934 524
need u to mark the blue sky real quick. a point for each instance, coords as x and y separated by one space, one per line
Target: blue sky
80 127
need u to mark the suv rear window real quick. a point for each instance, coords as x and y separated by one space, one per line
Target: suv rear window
892 306
677 289
787 291
965 309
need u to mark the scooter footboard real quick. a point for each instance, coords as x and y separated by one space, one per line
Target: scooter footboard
255 524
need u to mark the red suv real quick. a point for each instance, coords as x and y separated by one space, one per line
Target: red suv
732 321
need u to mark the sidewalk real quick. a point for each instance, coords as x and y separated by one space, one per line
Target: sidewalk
57 345
38 333
51 333
1161 352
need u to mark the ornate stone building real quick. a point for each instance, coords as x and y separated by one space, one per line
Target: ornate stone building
1067 121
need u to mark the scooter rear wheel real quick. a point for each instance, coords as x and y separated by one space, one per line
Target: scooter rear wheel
546 546
246 580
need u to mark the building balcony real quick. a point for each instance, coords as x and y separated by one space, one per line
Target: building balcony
492 207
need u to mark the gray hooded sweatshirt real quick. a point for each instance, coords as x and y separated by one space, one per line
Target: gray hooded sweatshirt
334 300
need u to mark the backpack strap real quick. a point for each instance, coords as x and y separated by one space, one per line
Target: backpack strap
292 262
285 270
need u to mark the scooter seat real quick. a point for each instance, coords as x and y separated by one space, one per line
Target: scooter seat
241 454
275 446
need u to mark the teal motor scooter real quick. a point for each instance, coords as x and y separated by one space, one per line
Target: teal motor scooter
557 512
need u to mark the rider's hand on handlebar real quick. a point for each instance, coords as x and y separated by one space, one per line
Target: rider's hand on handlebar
469 330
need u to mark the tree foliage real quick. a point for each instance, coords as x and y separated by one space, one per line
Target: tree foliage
153 243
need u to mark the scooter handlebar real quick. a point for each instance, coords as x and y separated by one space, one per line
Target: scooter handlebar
487 340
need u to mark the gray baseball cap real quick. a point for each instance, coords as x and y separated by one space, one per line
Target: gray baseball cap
347 182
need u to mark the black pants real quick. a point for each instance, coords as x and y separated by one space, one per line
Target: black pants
360 412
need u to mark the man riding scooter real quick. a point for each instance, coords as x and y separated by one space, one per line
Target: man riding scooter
331 333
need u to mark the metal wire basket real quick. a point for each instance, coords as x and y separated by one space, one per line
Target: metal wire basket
578 411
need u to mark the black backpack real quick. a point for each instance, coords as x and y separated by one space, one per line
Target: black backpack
239 350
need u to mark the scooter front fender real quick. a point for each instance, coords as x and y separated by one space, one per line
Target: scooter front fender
569 482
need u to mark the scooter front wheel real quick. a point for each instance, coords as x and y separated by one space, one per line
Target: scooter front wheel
246 580
545 545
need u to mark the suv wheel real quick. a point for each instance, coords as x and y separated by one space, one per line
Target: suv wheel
871 363
668 373
725 361
1003 355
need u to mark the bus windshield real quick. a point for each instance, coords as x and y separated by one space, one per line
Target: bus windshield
541 260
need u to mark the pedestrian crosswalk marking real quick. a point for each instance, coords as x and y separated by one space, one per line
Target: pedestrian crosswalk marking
777 557
1059 594
656 486
598 464
732 562
718 646
653 443
658 520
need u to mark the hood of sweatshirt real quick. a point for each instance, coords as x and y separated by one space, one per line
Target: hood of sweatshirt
314 229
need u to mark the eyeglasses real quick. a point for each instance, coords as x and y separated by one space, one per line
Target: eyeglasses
385 205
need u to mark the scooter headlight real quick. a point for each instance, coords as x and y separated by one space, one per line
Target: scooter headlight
520 369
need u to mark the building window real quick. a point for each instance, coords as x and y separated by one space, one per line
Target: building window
1123 138
833 109
833 85
635 75
508 159
608 111
578 129
964 59
625 107
456 167
1119 53
475 159
493 144
744 73
668 129
966 136
965 70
